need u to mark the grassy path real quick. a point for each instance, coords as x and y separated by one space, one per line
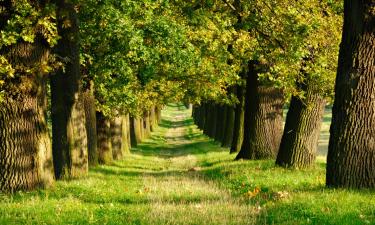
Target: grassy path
176 191
179 176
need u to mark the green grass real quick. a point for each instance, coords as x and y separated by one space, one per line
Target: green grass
179 176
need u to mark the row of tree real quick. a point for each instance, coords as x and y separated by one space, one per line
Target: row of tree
84 65
81 82
258 116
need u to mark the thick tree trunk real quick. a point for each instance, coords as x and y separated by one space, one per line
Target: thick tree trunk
25 146
351 152
263 120
25 149
117 137
239 120
104 139
90 115
229 126
221 120
301 132
136 131
212 120
69 140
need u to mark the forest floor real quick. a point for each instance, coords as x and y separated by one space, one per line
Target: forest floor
179 176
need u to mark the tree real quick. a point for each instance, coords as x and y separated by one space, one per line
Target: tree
351 151
69 137
28 33
313 86
263 118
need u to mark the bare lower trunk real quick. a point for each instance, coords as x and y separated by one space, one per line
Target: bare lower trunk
90 119
104 139
351 152
25 150
228 128
263 120
69 139
239 119
301 133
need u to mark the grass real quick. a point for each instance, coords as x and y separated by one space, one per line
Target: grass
179 176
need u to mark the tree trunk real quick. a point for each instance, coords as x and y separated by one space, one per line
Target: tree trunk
69 140
136 131
351 152
147 124
263 119
220 122
153 122
158 113
229 126
239 120
212 120
90 115
299 142
117 134
25 146
127 140
104 139
25 150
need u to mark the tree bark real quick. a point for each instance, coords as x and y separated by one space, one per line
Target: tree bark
90 115
263 119
69 140
239 120
117 134
25 146
25 150
212 120
105 155
153 122
136 131
221 120
147 124
299 142
229 126
351 152
127 139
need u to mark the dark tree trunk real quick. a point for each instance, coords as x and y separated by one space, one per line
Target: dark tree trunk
25 146
351 152
229 126
133 132
263 119
239 120
302 128
90 115
212 120
69 140
220 122
104 139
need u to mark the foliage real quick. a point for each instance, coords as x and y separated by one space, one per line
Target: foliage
25 22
